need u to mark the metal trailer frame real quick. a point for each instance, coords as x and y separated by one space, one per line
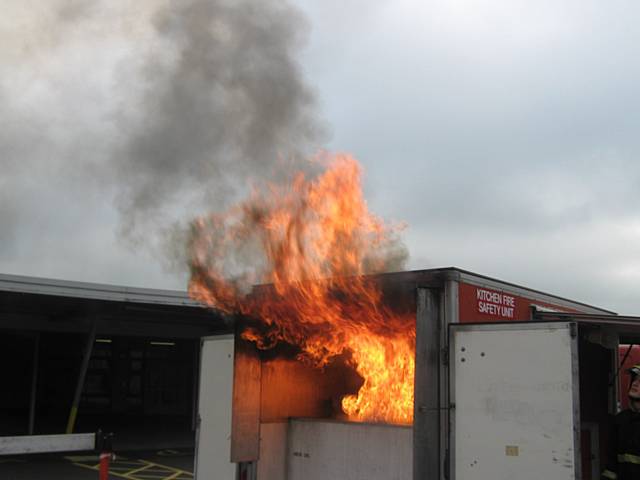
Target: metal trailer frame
437 307
427 416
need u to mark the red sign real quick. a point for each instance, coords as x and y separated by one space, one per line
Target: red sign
480 304
495 303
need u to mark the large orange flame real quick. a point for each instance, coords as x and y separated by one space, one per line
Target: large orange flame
314 241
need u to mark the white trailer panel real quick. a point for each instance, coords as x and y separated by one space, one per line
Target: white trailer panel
325 449
213 441
516 402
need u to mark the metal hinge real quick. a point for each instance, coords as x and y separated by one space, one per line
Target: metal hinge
444 353
573 329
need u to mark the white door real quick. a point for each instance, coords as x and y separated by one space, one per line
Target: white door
515 402
213 442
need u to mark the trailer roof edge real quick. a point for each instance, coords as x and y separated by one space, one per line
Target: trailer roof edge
466 276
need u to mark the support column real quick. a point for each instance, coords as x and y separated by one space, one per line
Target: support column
195 379
426 416
81 376
450 313
34 384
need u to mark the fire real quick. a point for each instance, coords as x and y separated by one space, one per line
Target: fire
314 241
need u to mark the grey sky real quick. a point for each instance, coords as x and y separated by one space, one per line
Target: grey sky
503 133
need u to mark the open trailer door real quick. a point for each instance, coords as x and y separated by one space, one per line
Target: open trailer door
213 436
514 393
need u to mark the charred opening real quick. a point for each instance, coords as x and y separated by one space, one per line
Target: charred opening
336 372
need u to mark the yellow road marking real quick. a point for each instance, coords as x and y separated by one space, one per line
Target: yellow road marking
136 470
174 469
174 476
147 476
141 470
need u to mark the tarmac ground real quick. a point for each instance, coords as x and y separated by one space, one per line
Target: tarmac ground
166 464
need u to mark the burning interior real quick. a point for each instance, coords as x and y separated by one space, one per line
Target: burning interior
314 242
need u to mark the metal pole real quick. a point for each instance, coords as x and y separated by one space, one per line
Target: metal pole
34 383
426 415
83 372
196 385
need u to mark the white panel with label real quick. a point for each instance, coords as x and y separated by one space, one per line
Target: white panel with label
515 397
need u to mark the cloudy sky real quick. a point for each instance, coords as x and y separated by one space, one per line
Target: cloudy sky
505 134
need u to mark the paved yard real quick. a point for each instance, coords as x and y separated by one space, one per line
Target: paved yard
157 465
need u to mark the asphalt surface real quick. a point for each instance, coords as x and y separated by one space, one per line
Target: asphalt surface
166 464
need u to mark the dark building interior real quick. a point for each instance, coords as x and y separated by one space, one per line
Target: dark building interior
140 380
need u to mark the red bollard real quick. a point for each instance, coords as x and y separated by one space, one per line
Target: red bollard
105 458
106 454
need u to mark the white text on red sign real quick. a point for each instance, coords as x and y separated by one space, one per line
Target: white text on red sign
495 303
